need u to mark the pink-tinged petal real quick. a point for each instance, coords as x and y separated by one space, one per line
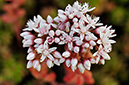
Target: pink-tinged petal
91 9
76 24
111 41
92 43
71 16
54 25
93 37
76 30
40 18
35 63
57 54
61 43
31 56
43 31
70 46
73 68
105 56
40 35
68 63
88 17
81 68
35 19
74 62
36 45
63 17
112 31
102 61
57 40
100 47
38 67
36 30
88 26
29 64
92 60
99 24
25 34
58 32
50 57
56 19
66 54
60 11
49 19
86 45
27 29
97 59
96 19
83 50
113 35
38 40
28 43
61 60
76 49
87 38
91 47
82 36
79 42
30 49
45 45
87 64
42 58
29 37
68 38
51 33
75 38
75 20
99 42
49 63
52 49
24 40
56 62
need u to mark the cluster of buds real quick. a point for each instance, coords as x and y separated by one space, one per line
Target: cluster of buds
74 30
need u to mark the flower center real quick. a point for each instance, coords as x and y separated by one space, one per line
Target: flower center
46 52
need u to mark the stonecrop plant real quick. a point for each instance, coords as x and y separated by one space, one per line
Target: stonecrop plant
82 37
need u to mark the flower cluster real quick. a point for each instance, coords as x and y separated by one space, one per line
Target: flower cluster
74 30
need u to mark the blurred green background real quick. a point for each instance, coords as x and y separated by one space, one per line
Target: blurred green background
13 57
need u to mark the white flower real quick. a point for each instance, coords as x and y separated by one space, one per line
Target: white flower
100 53
75 31
92 22
85 8
33 25
46 52
104 39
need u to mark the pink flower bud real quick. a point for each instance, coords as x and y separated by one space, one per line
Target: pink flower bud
31 56
87 64
57 54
